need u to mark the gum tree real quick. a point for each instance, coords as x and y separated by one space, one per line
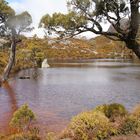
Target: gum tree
88 15
11 26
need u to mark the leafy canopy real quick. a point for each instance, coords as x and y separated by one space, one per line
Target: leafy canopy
87 15
20 22
5 10
9 21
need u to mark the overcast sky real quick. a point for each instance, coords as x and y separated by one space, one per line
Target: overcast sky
38 8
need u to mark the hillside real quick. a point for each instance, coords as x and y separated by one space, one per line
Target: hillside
107 48
32 51
96 48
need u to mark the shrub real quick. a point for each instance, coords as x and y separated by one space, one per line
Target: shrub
112 111
24 136
136 111
130 125
90 125
50 136
66 133
2 137
22 118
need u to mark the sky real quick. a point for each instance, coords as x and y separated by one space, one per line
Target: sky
38 8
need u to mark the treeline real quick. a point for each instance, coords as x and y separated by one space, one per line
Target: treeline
34 50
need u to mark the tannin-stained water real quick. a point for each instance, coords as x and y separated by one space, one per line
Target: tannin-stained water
57 94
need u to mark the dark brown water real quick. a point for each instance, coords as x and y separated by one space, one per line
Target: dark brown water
56 94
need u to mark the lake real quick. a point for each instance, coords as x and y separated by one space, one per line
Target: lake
58 93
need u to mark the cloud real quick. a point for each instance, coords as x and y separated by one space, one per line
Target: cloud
38 8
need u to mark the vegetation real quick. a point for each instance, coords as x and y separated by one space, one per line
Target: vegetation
95 12
130 125
104 121
35 50
112 111
23 136
22 118
95 124
11 25
22 123
106 48
91 125
99 125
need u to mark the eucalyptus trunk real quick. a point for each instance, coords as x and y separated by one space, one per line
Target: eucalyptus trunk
131 38
134 46
11 61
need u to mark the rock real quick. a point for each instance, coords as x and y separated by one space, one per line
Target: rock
45 64
50 42
3 41
65 42
54 47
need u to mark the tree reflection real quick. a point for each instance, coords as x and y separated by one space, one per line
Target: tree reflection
12 105
11 95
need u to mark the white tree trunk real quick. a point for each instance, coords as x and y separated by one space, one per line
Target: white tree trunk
10 64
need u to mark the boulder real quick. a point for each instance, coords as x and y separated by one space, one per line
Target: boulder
45 64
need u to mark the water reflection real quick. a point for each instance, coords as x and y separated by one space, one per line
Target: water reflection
56 94
8 107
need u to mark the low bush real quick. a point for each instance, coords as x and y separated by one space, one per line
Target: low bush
132 122
24 136
112 111
130 125
22 118
102 123
90 126
136 111
2 137
51 136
